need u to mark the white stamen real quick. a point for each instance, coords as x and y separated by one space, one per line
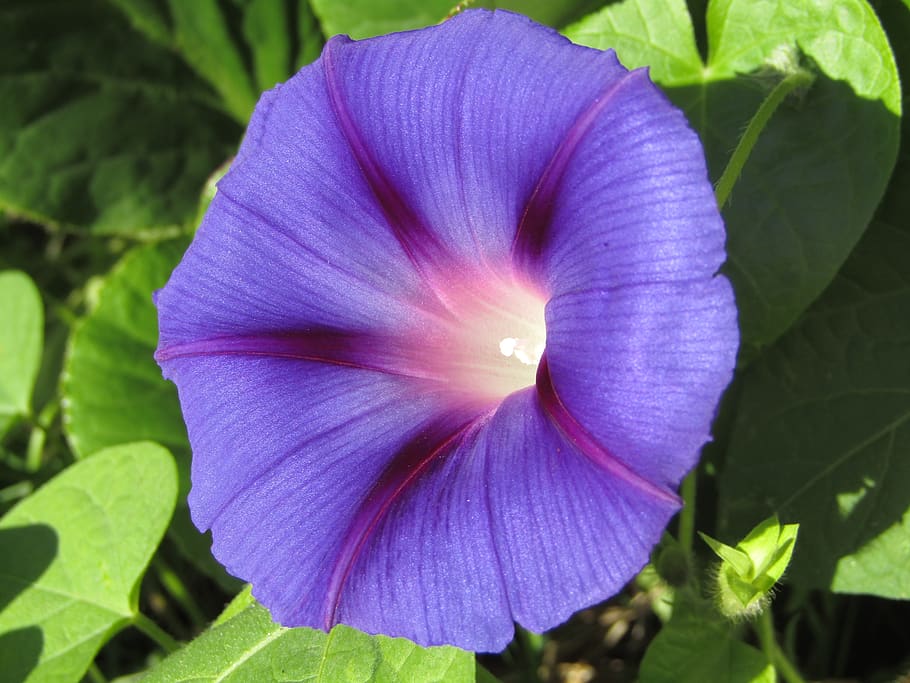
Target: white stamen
525 350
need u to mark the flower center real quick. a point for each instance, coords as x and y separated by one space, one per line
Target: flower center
494 342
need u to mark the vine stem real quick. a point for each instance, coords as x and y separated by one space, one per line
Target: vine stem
753 131
156 633
179 592
687 514
764 628
94 674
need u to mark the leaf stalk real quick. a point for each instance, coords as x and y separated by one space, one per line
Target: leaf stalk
798 79
764 628
156 633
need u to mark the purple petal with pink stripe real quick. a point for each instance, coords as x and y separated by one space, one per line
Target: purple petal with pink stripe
450 334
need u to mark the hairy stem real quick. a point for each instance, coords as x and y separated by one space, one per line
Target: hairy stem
753 131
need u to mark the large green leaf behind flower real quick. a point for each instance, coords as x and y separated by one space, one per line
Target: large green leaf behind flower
113 391
821 166
72 555
823 430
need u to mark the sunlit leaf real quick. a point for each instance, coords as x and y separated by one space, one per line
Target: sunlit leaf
72 555
251 647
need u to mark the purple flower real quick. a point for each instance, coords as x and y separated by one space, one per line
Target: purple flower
357 333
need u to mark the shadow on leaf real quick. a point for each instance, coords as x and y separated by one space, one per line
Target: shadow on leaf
19 653
26 552
806 194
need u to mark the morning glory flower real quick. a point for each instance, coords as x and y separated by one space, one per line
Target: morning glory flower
450 333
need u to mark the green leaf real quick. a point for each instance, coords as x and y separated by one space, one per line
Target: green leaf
547 12
241 47
100 128
265 30
653 33
696 646
824 428
21 339
202 36
148 17
309 34
366 18
819 169
112 388
251 647
241 601
72 556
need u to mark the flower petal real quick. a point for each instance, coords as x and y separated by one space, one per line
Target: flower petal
626 199
285 456
512 522
427 567
641 368
243 274
259 262
464 172
624 230
569 532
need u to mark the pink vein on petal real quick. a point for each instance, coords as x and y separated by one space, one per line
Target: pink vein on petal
531 235
418 242
584 442
351 349
405 468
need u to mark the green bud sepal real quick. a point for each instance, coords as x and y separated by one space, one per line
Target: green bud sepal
748 572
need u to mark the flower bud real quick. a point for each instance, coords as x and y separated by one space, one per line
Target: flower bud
748 572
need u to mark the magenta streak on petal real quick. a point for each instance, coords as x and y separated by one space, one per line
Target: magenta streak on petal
419 243
584 442
531 236
405 468
352 349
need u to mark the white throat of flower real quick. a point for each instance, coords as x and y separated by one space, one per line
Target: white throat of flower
494 343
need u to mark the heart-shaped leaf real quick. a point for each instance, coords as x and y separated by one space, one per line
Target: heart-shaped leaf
72 555
812 182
